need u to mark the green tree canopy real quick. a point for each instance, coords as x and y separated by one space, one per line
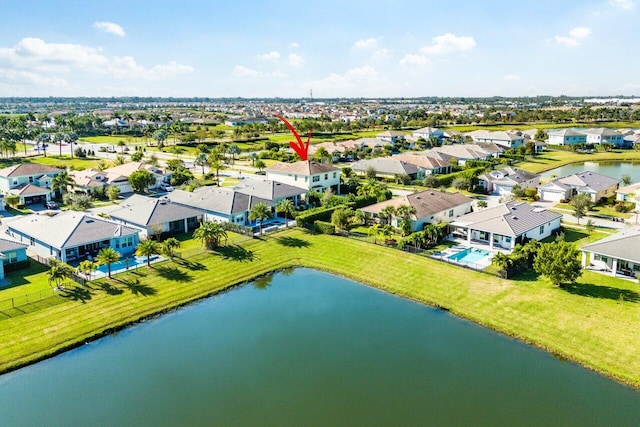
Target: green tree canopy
141 179
581 204
210 233
558 261
147 248
107 256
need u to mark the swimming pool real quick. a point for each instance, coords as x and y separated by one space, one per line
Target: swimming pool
472 257
133 262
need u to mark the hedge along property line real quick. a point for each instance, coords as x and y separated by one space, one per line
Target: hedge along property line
446 180
308 218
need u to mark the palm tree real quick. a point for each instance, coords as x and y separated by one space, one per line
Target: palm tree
287 208
201 160
62 182
120 160
387 213
58 272
260 212
374 230
502 261
147 248
234 150
87 267
169 245
107 256
210 233
405 212
101 165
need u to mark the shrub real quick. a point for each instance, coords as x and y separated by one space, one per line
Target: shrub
530 193
324 227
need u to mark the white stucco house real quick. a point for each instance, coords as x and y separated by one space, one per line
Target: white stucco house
432 207
595 185
505 225
502 181
31 182
307 174
616 255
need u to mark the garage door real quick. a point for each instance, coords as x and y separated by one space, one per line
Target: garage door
552 196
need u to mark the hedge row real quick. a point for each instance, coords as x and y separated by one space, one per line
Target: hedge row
324 227
447 179
307 218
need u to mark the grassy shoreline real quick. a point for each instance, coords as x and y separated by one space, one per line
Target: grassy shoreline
555 159
591 323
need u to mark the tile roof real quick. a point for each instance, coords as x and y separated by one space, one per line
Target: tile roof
426 203
303 167
28 169
388 165
509 219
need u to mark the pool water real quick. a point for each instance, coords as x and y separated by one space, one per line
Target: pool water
122 264
471 256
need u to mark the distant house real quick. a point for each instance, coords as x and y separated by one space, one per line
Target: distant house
463 152
391 136
617 255
157 215
505 139
307 174
597 186
430 163
502 181
604 136
388 167
233 204
10 253
427 133
72 236
29 181
431 207
161 175
569 136
505 225
629 194
88 180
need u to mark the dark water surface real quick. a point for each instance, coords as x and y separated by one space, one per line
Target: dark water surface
311 349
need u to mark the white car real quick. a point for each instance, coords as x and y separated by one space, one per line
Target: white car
166 187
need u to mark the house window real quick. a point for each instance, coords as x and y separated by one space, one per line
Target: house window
30 180
15 182
295 177
450 213
118 244
326 176
32 241
10 257
316 178
335 174
541 229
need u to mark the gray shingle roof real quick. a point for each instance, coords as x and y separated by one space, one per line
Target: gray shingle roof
588 180
268 189
426 202
623 245
9 245
387 165
28 169
220 200
145 211
509 175
69 229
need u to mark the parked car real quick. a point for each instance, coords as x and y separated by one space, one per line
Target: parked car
51 205
167 187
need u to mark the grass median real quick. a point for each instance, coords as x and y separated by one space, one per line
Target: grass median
594 322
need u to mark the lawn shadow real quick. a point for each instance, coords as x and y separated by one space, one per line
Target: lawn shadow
600 291
293 242
172 273
76 293
109 289
196 266
137 288
528 275
235 253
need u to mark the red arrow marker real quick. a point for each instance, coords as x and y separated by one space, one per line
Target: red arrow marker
300 147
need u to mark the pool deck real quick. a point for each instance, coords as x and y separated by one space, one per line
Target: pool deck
463 245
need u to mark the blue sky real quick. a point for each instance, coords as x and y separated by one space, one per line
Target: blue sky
346 48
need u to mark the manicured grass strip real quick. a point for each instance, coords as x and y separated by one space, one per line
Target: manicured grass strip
594 322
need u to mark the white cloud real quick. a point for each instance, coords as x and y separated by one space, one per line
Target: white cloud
623 4
35 55
370 43
109 27
294 45
242 71
448 43
279 74
359 81
270 56
512 77
381 54
295 60
576 36
411 59
28 78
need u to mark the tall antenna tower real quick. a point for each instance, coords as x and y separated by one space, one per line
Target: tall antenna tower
311 93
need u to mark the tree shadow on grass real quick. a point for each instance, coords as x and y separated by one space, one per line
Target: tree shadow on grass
292 242
196 266
109 289
528 275
137 288
172 273
235 253
600 291
76 293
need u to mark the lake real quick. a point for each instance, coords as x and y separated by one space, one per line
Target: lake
307 348
612 169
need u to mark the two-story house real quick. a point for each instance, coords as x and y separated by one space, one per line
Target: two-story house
306 174
29 181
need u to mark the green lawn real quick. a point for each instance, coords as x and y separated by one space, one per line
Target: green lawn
598 209
594 322
67 162
556 158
